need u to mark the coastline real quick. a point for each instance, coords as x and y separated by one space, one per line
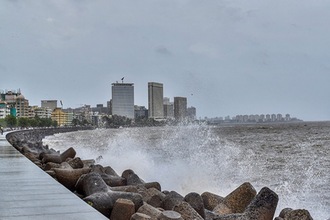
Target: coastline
80 175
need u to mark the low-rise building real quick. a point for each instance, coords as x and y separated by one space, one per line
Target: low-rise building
140 112
43 112
61 117
191 113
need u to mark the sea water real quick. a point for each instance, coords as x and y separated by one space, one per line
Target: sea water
292 159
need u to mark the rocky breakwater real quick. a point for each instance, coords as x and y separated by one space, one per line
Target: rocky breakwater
128 197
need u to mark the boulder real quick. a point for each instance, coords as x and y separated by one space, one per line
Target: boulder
284 212
91 183
195 200
211 200
155 185
149 210
97 168
65 165
108 170
222 209
298 214
55 158
113 181
263 206
88 163
132 178
240 198
126 173
51 165
187 212
155 197
76 163
69 177
172 199
69 153
104 201
123 209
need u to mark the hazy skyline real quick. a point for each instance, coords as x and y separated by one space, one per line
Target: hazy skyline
226 57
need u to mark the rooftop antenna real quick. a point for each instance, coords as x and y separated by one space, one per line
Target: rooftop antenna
122 80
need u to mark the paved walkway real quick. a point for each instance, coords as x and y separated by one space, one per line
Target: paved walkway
27 192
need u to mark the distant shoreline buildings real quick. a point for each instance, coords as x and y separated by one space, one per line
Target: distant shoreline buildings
263 118
160 108
121 103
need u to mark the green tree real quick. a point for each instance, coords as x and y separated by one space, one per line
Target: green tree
46 122
2 122
117 121
75 122
54 123
33 122
23 122
11 121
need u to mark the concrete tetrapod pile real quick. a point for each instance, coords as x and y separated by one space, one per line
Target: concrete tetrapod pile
128 197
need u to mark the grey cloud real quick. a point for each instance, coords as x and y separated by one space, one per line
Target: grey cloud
163 51
245 56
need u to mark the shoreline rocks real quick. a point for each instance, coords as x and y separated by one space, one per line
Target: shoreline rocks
127 196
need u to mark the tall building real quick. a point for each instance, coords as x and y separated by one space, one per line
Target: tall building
168 108
155 100
180 108
51 104
123 99
22 106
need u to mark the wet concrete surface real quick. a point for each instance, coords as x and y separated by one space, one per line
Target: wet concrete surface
27 192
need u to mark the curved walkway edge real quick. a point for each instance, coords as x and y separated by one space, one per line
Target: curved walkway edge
27 192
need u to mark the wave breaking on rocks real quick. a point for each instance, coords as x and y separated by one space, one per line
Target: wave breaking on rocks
127 196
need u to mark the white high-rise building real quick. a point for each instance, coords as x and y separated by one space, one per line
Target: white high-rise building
123 99
155 100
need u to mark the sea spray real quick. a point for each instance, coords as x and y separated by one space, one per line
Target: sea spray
216 159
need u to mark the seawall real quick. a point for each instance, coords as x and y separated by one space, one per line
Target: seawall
128 197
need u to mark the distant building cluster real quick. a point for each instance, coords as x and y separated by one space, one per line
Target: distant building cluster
121 103
159 107
253 119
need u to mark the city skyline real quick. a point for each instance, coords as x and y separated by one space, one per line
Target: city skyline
189 111
11 102
226 57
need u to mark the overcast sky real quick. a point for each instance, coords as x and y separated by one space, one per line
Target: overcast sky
227 57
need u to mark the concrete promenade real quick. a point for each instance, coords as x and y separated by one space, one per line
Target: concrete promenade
27 192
